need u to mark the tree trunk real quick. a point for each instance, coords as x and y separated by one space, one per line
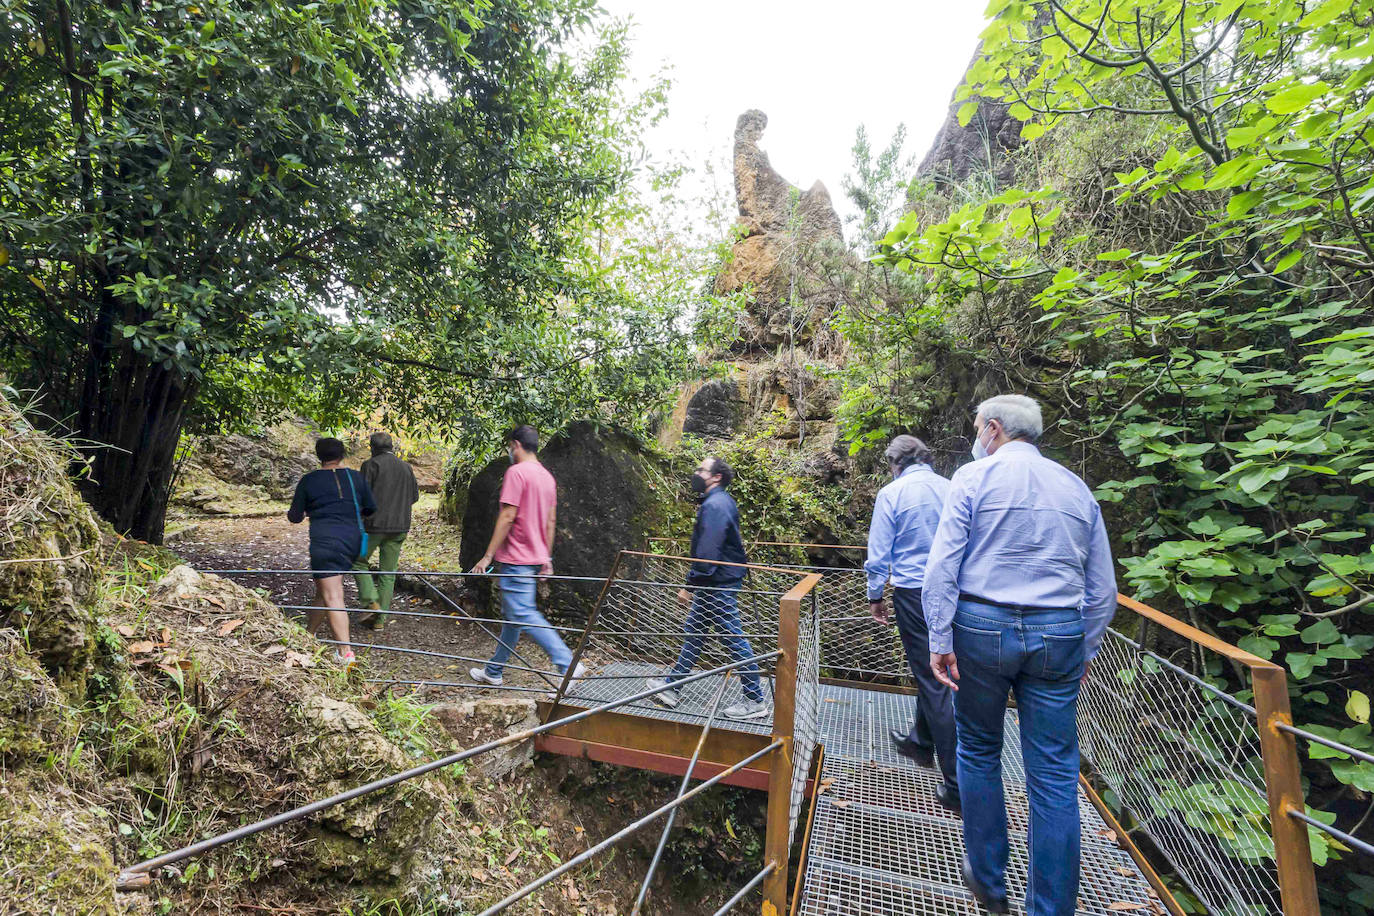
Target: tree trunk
131 434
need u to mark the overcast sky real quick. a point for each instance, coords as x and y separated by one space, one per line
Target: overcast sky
818 70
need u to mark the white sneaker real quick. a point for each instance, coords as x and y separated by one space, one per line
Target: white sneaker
748 709
480 676
579 672
667 697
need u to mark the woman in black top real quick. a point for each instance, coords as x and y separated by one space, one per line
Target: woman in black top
334 498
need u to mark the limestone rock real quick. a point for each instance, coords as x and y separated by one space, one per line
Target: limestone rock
56 849
783 226
477 721
50 547
985 144
715 411
610 498
256 461
374 836
34 716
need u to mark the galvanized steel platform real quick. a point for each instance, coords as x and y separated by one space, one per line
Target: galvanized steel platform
881 845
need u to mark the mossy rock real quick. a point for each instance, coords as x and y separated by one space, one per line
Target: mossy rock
54 848
35 719
373 838
613 493
50 553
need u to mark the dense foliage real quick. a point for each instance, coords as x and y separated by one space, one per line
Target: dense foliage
1183 270
213 210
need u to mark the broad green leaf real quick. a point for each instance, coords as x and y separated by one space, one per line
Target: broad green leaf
1296 97
1357 706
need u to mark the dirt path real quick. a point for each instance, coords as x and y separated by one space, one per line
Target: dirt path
273 543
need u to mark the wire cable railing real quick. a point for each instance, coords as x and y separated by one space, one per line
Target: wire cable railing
138 874
853 646
1211 780
770 607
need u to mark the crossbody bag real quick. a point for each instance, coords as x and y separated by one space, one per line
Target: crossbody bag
358 514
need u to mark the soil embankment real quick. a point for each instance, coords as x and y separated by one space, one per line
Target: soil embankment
144 706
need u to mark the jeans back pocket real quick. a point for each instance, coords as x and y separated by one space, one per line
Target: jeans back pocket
1063 656
978 646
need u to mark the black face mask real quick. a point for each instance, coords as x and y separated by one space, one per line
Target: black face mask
698 485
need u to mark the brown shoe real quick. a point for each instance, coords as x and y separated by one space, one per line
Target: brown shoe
367 620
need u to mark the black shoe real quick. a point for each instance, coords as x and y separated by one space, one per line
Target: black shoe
948 797
990 903
924 756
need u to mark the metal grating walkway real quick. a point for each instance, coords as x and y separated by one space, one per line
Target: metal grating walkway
882 846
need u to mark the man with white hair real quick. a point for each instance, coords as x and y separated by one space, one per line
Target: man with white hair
905 516
1019 589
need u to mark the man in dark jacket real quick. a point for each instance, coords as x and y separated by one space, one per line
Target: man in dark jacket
712 591
395 489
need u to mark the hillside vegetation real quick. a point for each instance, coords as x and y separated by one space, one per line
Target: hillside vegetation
1182 268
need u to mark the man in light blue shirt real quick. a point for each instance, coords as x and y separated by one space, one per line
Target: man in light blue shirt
1019 590
905 516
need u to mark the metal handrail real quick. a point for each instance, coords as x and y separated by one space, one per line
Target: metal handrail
686 779
1334 745
626 831
138 874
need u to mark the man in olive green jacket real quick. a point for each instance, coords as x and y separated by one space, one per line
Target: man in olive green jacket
395 489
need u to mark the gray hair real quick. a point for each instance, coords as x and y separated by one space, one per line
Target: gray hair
379 442
1018 414
904 451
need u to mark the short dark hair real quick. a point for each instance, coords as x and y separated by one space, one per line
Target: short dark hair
727 473
329 449
380 442
526 435
904 451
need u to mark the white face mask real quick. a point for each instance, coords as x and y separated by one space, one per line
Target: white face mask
980 451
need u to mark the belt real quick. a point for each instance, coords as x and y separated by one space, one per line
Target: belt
965 596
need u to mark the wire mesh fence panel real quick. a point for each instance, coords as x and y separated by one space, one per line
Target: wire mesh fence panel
853 646
1183 761
652 625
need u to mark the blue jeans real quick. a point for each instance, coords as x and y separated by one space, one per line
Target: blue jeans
1038 656
517 607
717 609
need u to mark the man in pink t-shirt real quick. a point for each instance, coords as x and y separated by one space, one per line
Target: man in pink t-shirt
522 546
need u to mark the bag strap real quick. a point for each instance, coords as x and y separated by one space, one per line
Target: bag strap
357 510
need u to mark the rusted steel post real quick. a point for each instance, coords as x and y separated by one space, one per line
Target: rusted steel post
778 841
582 643
1283 782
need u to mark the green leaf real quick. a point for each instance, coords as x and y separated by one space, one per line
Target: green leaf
1288 261
1301 664
1258 645
967 111
1357 706
1324 13
1320 633
1241 204
1120 254
1296 97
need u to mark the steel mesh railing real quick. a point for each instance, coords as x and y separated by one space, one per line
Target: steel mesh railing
1184 762
649 624
853 646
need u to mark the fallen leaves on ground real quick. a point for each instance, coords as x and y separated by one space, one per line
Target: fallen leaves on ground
294 659
229 626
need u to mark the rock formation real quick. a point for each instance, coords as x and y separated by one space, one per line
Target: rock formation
612 495
783 228
982 145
